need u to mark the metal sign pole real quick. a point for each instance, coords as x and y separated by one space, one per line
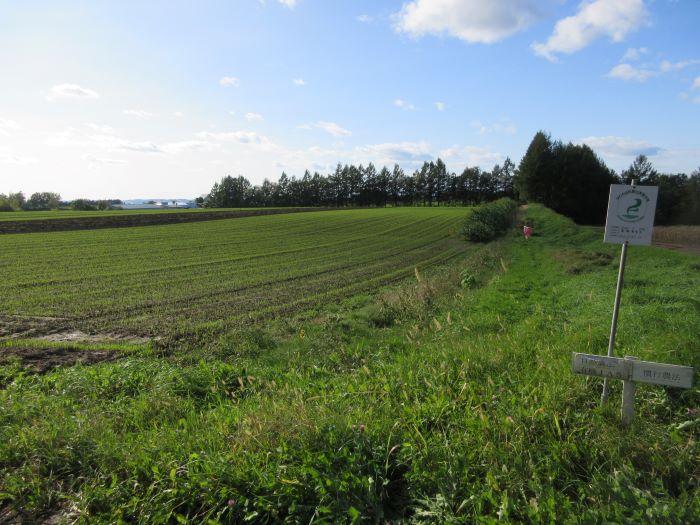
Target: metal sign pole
616 311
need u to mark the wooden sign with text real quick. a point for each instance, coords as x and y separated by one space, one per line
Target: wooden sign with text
632 371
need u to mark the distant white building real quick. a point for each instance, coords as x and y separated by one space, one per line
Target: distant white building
176 204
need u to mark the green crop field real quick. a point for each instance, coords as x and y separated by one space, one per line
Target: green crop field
357 366
155 280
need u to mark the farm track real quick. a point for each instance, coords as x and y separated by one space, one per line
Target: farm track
93 222
152 281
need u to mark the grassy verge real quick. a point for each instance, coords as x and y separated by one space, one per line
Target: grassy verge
449 400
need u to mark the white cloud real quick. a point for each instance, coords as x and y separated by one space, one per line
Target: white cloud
100 128
333 129
471 156
407 106
111 143
254 117
621 146
241 137
440 106
288 3
595 19
329 127
696 83
365 19
189 146
7 157
634 53
667 66
7 125
389 153
96 162
503 126
75 138
405 153
178 114
629 72
139 113
641 74
71 91
469 20
230 81
299 81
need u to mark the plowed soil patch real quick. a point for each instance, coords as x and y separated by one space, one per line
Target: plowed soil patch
41 360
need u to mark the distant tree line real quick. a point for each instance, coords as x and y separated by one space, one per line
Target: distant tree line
37 201
42 201
350 185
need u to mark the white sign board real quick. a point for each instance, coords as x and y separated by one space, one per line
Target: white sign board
633 370
630 214
663 374
600 366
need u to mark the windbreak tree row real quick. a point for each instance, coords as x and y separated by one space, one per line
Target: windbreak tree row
349 185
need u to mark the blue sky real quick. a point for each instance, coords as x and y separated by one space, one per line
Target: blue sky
161 98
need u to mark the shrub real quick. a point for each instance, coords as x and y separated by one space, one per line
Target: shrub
488 221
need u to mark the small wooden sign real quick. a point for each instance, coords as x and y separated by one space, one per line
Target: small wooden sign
632 371
600 366
663 374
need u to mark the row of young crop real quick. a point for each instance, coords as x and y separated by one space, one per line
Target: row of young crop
197 269
190 274
154 247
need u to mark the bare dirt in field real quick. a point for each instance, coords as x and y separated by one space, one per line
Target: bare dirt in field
41 360
76 336
57 516
679 238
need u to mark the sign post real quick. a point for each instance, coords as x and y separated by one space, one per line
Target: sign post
630 220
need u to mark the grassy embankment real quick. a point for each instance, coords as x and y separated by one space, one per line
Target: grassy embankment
448 400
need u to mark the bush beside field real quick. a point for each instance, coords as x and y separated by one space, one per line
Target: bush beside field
446 400
489 221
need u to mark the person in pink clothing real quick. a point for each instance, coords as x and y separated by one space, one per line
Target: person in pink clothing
527 231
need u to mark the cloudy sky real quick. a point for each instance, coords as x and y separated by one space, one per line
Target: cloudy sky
161 98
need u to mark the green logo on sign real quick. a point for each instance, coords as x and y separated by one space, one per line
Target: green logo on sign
631 205
633 211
